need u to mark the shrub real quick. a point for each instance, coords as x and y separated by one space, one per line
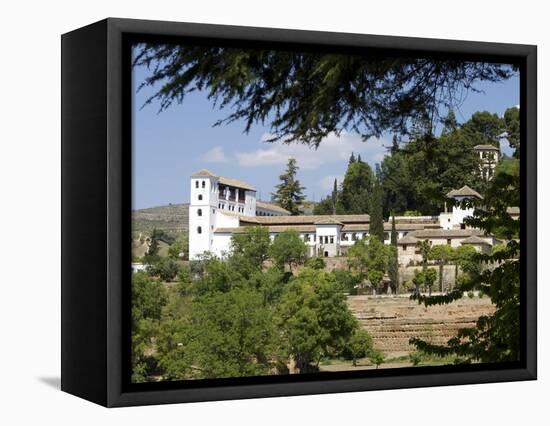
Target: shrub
315 263
165 269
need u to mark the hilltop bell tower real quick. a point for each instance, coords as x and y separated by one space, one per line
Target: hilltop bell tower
203 203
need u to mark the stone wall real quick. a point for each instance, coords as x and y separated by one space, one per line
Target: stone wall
393 320
406 274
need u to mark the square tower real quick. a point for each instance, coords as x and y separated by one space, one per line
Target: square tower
203 204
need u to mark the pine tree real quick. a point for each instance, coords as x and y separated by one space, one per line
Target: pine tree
376 218
327 92
393 264
289 194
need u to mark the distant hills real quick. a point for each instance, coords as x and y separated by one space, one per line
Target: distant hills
173 218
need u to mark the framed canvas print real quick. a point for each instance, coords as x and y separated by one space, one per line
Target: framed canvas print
253 212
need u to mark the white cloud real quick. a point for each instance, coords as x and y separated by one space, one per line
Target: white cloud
327 183
215 155
331 149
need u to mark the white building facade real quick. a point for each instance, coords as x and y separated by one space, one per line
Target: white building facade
218 202
221 207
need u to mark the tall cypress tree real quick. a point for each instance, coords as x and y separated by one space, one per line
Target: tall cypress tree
393 264
334 196
376 218
289 193
393 236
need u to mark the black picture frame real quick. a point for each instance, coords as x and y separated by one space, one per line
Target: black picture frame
96 179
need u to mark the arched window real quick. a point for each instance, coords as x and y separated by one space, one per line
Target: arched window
200 197
203 184
199 212
199 229
196 184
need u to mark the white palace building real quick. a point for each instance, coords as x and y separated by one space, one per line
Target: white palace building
220 207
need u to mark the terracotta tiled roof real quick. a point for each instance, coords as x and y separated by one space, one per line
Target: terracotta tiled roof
328 221
417 219
236 182
251 219
387 227
465 191
203 173
224 180
474 239
486 148
271 206
408 239
445 233
272 229
306 220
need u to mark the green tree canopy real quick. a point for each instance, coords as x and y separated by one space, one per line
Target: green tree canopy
360 345
230 335
288 249
496 337
179 249
148 299
357 258
377 265
314 319
219 275
441 254
356 187
308 95
252 245
511 123
376 225
369 259
417 176
165 268
424 278
484 128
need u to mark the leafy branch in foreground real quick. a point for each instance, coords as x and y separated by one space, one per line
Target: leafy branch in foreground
306 96
496 337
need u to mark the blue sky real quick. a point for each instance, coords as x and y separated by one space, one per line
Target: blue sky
169 146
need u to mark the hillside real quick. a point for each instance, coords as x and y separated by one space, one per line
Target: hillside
172 219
